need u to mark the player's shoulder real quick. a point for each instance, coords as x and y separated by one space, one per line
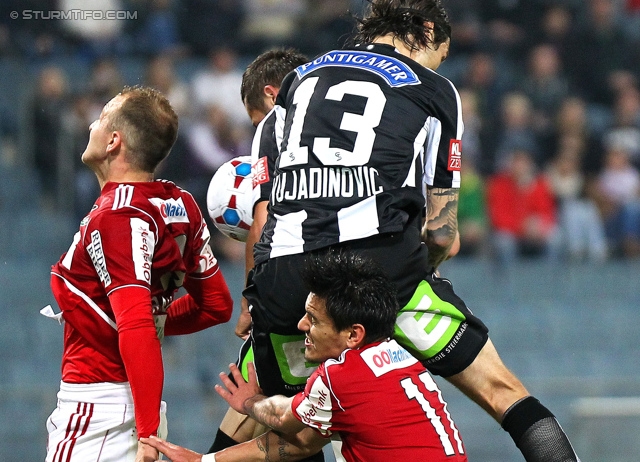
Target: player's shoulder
148 200
343 369
173 203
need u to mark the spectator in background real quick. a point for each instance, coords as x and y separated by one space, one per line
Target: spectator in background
516 131
545 85
473 125
105 80
572 121
472 215
631 19
210 143
160 31
631 229
521 209
50 100
270 23
508 25
618 185
489 85
324 26
555 27
204 22
466 21
219 84
160 74
80 114
597 48
97 38
580 226
625 129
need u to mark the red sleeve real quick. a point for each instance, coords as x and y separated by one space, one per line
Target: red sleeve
207 303
141 354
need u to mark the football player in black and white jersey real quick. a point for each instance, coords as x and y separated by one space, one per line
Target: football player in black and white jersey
259 89
359 132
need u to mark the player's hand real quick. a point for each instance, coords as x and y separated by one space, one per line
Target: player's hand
146 452
172 451
236 394
243 326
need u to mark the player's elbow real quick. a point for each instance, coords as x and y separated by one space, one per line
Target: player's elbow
441 242
306 440
226 307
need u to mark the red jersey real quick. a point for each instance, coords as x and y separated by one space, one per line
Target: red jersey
383 403
115 287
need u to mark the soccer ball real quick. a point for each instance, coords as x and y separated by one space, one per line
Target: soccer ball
230 198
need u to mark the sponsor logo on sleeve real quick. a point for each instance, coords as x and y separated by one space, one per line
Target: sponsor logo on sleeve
455 154
386 357
315 409
97 258
142 248
172 210
260 172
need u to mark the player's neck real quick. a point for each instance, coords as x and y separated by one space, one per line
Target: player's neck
122 172
421 56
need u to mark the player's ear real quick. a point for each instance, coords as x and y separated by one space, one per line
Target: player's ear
356 336
271 92
115 142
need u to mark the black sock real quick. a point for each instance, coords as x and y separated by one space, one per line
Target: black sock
537 433
221 442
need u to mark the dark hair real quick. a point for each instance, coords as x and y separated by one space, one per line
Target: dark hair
149 125
355 291
267 69
406 20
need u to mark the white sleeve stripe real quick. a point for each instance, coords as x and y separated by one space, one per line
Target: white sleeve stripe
281 114
418 149
431 153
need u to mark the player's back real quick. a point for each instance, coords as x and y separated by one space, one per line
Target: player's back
359 131
385 406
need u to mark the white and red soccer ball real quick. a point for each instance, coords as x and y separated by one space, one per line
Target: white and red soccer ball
230 198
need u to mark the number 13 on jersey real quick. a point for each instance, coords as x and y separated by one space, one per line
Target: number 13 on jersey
362 124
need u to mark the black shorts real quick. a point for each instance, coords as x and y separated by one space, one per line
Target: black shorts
434 324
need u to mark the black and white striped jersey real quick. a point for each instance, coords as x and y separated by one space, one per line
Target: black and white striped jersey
264 152
359 132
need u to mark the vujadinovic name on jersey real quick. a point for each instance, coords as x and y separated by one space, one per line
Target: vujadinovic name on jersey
392 70
325 182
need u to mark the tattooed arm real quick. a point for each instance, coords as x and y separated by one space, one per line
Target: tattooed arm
269 447
440 229
274 447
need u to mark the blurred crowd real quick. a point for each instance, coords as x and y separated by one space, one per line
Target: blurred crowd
550 91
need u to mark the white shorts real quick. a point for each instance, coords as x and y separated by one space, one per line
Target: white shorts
95 423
